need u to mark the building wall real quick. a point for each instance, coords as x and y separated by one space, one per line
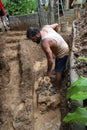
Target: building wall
21 22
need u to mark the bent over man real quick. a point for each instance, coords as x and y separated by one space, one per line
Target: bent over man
52 43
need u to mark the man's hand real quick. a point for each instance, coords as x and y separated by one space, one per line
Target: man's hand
55 26
47 74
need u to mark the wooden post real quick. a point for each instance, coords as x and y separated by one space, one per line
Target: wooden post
58 12
39 16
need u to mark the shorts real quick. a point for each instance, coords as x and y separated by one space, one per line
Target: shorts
1 13
60 64
77 6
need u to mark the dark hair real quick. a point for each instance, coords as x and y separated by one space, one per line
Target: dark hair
31 31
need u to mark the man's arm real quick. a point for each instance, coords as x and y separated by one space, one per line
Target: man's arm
45 46
54 26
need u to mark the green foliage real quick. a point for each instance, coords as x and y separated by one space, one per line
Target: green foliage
79 85
82 58
45 7
79 96
17 7
80 116
4 1
78 91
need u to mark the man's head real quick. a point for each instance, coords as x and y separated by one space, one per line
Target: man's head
34 34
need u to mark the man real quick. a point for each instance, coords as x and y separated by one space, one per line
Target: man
52 44
77 5
2 13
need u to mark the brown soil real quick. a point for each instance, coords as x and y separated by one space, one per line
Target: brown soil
22 107
16 81
80 49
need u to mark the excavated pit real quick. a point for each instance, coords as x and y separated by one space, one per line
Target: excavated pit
26 99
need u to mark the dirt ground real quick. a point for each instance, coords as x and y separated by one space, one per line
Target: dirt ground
80 49
27 101
16 82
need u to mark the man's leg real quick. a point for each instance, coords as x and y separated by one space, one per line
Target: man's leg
75 13
4 24
78 13
58 79
60 65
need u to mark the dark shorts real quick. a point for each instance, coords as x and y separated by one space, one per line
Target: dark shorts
77 6
1 13
60 63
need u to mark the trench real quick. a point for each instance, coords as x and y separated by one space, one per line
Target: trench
46 114
50 106
28 101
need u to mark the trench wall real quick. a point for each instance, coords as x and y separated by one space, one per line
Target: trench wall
73 77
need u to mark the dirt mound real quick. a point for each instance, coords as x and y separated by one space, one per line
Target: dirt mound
80 49
17 56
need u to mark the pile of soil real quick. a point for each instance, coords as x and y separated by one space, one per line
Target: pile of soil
17 57
80 49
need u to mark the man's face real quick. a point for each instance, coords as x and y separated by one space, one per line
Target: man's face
36 38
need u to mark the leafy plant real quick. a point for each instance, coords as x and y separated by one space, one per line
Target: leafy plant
4 1
82 58
78 91
17 7
80 115
80 96
77 87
